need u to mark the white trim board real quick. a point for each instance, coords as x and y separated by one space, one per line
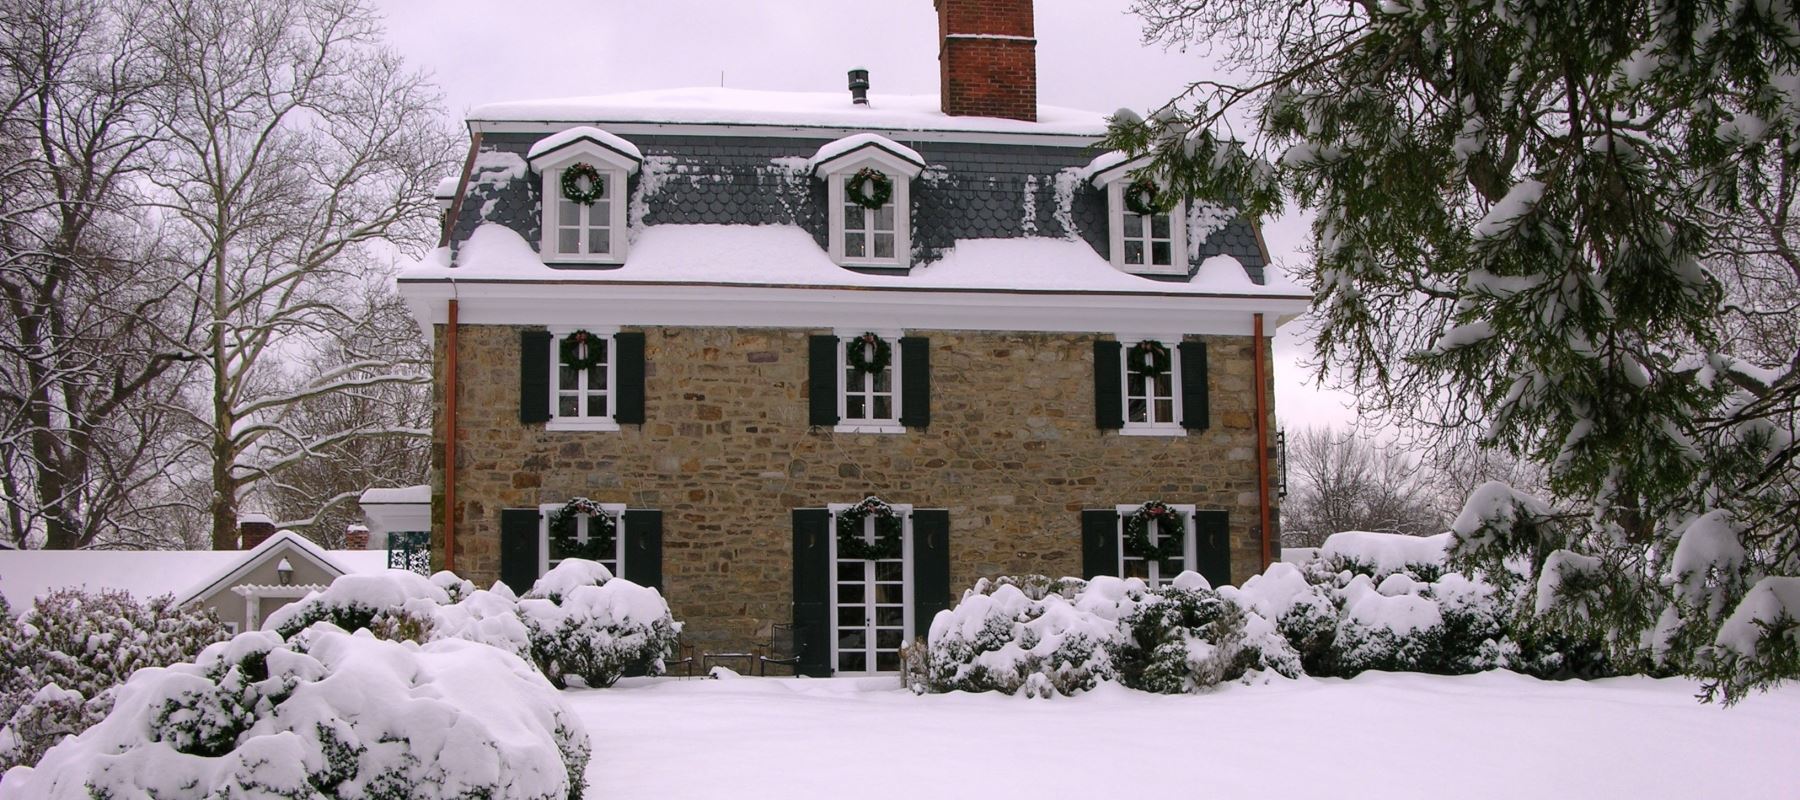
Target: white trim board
719 129
590 303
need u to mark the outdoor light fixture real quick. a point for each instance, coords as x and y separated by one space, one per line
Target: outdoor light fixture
284 572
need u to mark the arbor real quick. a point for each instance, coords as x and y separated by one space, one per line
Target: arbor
297 148
1557 225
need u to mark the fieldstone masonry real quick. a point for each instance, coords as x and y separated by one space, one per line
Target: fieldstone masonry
726 454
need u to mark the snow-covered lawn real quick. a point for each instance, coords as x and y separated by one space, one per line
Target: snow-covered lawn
1385 735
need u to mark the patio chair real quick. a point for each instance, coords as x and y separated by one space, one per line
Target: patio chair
683 659
786 643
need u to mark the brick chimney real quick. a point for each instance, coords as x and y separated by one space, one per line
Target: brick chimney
356 537
254 529
987 58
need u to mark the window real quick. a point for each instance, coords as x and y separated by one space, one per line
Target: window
588 542
871 601
1154 572
866 166
1152 394
1154 243
585 173
869 400
583 398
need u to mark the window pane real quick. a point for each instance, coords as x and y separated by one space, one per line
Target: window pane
568 405
1159 226
566 377
1165 411
568 240
884 218
597 404
1164 385
853 217
884 407
1136 411
1161 254
853 245
599 241
1134 226
1136 568
884 245
596 376
884 380
1134 252
854 406
568 213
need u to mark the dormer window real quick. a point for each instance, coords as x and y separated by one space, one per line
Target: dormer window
1146 222
869 192
584 172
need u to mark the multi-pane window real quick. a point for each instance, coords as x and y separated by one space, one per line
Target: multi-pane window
586 393
589 541
869 232
1150 392
869 602
1158 572
1149 240
869 395
585 230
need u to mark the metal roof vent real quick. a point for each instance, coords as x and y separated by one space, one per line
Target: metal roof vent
859 86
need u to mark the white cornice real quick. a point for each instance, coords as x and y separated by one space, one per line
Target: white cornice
588 303
715 129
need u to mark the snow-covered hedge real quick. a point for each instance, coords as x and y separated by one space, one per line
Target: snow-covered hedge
61 661
577 620
326 714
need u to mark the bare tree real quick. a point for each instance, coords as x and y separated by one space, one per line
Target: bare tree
1344 482
85 364
299 147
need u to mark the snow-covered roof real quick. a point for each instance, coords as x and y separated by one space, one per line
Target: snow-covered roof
832 151
714 105
579 134
26 575
787 256
404 494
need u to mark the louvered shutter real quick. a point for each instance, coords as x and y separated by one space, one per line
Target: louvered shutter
1109 393
628 368
822 381
534 376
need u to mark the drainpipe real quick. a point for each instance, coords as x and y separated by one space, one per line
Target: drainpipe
450 390
1262 436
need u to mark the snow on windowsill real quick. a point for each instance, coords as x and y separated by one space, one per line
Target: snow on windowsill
561 424
785 255
1152 430
868 428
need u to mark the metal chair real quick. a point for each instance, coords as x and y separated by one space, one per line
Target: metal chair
684 659
784 648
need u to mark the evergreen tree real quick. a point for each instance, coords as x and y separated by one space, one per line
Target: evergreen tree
1566 225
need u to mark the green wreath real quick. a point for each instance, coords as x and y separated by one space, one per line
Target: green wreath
1143 197
869 188
1137 532
1148 357
602 529
581 350
571 184
868 353
852 545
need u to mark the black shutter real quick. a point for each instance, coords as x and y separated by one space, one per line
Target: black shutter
1212 546
915 382
534 376
519 548
931 566
628 368
1109 394
812 590
822 380
1099 542
643 547
1196 409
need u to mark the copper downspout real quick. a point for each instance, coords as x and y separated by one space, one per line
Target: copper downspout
450 385
450 390
1262 437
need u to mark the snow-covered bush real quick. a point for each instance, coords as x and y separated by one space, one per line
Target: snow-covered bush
1187 638
487 616
325 715
1379 555
1000 638
566 577
356 601
1761 638
599 633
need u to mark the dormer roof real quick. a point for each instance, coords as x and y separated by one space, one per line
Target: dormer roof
854 151
584 141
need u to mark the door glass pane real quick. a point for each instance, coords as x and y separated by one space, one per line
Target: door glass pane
888 571
889 593
887 661
894 616
850 571
852 617
853 661
888 639
849 593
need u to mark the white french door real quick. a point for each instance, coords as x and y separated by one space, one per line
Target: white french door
871 606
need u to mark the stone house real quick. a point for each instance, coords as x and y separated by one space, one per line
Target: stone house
718 320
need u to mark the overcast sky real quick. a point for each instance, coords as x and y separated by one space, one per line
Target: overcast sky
1090 55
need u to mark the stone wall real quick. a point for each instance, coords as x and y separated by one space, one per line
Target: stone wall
726 454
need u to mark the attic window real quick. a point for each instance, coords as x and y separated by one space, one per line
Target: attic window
585 172
869 193
1146 227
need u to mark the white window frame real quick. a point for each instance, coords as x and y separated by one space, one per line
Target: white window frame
1178 255
847 425
615 169
615 510
901 200
1170 428
905 510
591 423
1189 548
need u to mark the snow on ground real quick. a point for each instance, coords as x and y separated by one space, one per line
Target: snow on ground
1387 735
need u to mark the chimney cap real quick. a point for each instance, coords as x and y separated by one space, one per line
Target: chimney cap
859 86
